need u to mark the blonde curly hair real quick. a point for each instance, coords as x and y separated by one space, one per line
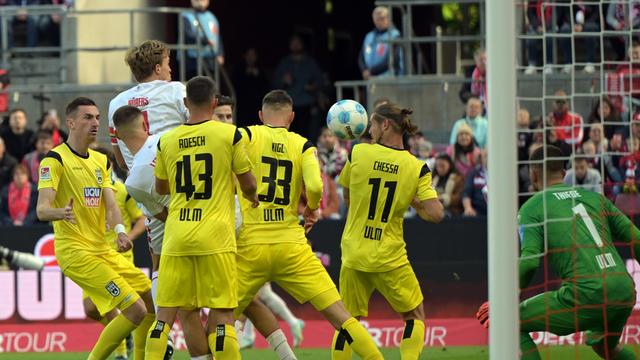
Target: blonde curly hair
142 59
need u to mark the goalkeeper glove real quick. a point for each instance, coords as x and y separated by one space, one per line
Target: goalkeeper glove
483 315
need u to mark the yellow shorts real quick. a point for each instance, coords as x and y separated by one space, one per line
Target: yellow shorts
128 255
109 280
399 287
192 282
294 267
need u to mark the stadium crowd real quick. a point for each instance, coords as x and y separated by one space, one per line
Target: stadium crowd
606 145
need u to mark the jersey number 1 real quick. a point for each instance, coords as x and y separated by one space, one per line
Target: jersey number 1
581 211
184 182
373 201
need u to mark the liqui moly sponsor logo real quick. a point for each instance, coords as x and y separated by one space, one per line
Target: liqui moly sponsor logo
92 196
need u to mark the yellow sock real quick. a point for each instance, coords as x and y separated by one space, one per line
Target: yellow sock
140 336
224 343
156 344
359 340
121 350
412 340
112 335
340 349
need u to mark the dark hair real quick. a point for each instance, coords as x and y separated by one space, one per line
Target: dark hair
399 117
224 100
201 90
552 164
76 103
277 99
444 156
43 135
13 111
595 112
125 115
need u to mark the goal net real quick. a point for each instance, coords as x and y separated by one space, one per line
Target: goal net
578 89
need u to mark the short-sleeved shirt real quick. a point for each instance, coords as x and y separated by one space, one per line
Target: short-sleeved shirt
83 179
198 160
280 159
382 182
161 103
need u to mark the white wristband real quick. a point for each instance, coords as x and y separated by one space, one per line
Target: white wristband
119 229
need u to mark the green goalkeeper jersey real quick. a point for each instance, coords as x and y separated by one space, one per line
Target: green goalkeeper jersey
580 227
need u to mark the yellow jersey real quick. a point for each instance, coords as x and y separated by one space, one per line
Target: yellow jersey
129 211
382 181
199 160
81 178
282 160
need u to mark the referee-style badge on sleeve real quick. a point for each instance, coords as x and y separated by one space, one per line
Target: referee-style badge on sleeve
99 176
45 173
113 289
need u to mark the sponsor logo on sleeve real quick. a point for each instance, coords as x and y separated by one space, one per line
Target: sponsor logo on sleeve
45 173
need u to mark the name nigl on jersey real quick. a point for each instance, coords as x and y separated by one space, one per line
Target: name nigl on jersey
92 196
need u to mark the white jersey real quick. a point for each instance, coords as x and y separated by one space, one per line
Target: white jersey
141 185
162 105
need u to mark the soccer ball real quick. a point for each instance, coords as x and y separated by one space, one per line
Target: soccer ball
347 119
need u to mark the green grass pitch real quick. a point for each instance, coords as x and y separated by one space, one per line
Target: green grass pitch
451 353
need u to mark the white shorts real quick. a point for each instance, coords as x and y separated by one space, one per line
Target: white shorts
155 233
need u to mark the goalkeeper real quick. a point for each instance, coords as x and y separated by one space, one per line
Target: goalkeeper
597 294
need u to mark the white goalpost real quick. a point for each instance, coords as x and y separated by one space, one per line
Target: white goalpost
504 339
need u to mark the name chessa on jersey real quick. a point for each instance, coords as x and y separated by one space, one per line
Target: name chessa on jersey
385 167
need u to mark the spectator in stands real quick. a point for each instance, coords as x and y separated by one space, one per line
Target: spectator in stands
7 163
200 24
448 183
27 24
44 144
330 202
619 17
568 125
474 119
251 84
581 175
300 75
374 55
633 143
525 139
18 199
51 122
605 113
552 139
614 174
474 199
586 19
596 137
477 75
332 155
17 137
49 25
626 80
419 146
464 152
